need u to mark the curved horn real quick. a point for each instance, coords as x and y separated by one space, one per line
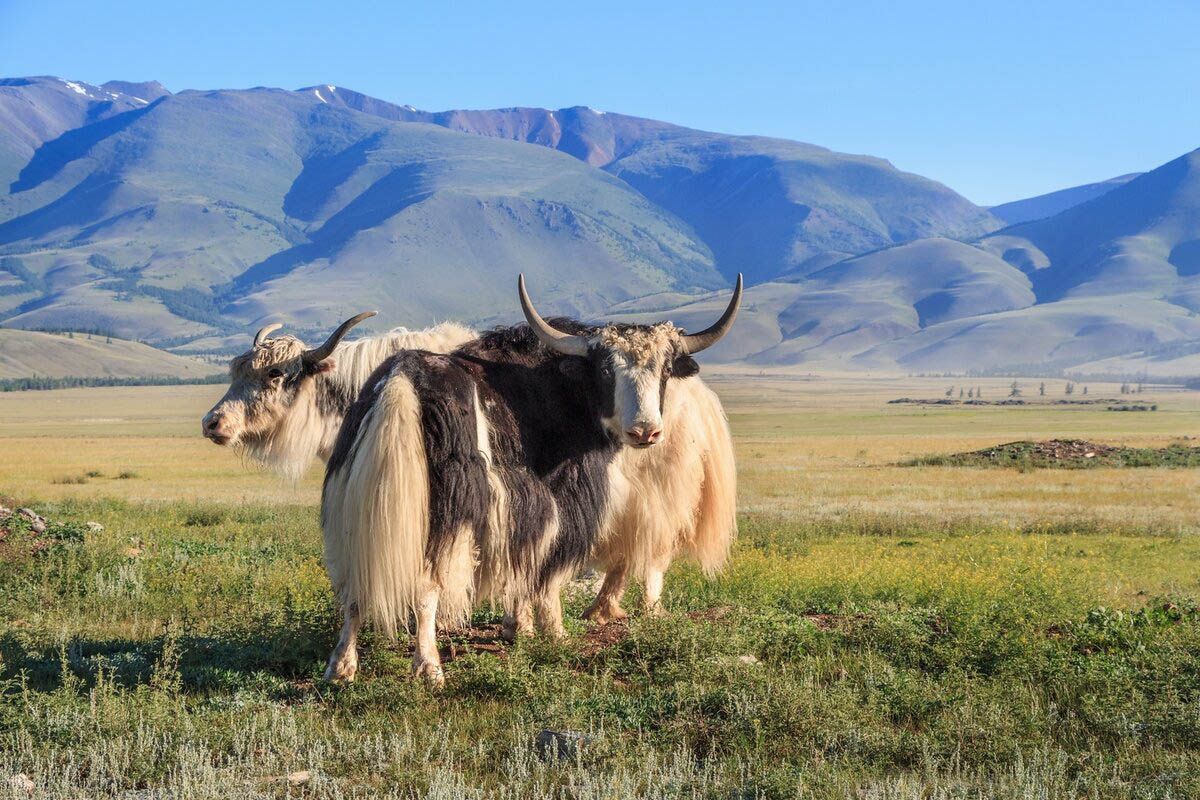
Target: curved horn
695 342
326 350
554 339
261 336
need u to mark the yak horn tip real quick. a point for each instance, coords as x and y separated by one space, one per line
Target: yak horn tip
694 343
264 331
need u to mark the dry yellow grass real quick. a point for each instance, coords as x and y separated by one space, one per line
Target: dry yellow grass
822 449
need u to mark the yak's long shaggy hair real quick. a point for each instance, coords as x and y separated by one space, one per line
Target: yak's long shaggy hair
307 427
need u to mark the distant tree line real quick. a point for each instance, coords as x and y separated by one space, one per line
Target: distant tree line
37 383
1014 390
16 267
1036 371
70 333
190 304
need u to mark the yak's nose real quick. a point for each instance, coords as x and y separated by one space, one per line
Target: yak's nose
211 426
644 435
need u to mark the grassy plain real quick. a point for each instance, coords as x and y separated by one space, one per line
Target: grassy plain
882 631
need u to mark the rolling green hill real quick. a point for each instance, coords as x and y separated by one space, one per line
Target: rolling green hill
25 354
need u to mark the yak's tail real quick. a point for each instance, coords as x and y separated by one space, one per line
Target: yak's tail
375 511
715 523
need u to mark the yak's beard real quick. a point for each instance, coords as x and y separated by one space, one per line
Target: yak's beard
289 448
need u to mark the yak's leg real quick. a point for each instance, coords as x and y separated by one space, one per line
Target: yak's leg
607 606
550 618
518 621
652 601
427 663
343 661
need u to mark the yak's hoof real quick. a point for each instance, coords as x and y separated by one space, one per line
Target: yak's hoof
342 669
432 674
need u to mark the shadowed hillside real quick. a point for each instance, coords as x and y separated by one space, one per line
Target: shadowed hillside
1047 205
1112 283
205 212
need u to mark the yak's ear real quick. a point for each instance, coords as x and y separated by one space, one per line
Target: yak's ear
684 367
324 365
574 368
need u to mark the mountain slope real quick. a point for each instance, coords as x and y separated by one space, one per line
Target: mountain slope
766 207
1115 276
24 354
844 310
1143 237
1047 205
187 219
34 111
1062 334
204 211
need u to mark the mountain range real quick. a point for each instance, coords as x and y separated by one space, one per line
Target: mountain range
186 219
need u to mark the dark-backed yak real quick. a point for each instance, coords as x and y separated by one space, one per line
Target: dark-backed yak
502 468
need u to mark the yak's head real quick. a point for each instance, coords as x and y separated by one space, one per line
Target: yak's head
272 410
633 365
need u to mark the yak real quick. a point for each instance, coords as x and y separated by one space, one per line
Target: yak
503 467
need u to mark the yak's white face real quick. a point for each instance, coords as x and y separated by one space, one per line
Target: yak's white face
270 410
635 364
262 389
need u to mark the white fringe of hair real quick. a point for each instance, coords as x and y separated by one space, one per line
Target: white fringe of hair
356 360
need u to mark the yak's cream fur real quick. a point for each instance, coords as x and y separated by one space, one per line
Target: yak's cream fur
711 537
376 514
358 359
495 579
682 493
456 580
300 433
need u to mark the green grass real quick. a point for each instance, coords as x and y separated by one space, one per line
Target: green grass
916 632
180 649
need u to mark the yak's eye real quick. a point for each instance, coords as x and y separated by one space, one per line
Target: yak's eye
275 373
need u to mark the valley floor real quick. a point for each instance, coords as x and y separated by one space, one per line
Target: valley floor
882 631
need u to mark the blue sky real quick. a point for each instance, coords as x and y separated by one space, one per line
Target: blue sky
997 100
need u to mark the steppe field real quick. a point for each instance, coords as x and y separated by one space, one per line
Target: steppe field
882 630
